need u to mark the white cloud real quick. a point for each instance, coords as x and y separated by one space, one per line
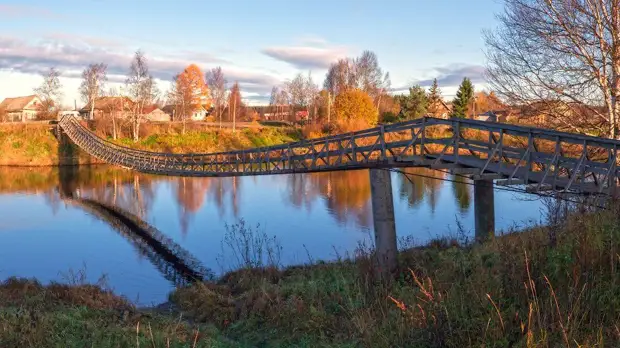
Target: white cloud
306 57
24 60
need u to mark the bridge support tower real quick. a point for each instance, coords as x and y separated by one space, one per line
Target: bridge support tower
383 218
484 210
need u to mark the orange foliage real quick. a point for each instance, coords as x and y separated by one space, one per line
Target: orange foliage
355 107
488 102
192 81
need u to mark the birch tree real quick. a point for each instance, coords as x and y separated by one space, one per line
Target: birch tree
93 81
142 90
217 84
561 54
50 93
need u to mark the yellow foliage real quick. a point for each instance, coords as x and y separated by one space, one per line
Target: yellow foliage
355 107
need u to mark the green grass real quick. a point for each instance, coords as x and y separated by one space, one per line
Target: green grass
32 315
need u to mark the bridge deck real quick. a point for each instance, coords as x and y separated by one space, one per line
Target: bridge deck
546 158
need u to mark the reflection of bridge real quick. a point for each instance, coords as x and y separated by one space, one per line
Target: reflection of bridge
543 159
172 260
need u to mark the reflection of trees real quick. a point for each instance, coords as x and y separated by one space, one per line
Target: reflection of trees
462 192
347 194
421 183
129 191
190 195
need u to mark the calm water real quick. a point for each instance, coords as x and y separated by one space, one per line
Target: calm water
318 216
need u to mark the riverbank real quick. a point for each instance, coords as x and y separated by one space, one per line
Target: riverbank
515 291
36 145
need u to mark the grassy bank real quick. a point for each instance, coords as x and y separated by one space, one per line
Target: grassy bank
36 145
516 291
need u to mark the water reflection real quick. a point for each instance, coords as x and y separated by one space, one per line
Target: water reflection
314 216
123 205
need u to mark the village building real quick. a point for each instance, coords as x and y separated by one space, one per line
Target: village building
107 107
440 109
200 112
153 113
20 108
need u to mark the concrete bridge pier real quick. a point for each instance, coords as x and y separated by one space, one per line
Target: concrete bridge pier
484 210
383 217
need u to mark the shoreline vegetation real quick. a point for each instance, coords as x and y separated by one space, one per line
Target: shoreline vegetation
541 287
35 145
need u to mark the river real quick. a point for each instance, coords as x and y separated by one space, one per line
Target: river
322 216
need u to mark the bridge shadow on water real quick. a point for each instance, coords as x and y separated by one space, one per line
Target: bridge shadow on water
175 263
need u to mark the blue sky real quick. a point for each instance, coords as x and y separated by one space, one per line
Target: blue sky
258 43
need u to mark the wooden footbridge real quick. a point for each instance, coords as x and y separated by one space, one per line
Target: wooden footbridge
490 153
543 159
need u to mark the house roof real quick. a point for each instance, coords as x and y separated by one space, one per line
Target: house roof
17 103
109 103
149 108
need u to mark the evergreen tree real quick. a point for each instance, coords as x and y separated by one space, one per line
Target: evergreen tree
413 105
464 97
434 99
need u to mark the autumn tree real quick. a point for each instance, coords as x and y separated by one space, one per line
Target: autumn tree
355 108
142 90
434 99
50 93
363 73
93 81
415 104
560 54
217 84
488 102
191 92
462 103
235 105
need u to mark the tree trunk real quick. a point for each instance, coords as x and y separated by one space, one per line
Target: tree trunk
219 115
114 126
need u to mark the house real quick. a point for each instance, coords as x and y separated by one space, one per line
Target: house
199 114
154 114
119 107
440 109
21 108
488 116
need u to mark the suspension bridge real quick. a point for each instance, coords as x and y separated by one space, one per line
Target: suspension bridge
489 153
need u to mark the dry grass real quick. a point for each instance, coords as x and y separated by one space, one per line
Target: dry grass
515 291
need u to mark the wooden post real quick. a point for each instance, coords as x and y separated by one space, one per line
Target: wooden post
383 218
484 210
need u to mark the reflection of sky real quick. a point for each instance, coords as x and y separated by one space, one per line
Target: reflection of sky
36 242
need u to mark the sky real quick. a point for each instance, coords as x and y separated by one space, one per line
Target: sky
259 43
